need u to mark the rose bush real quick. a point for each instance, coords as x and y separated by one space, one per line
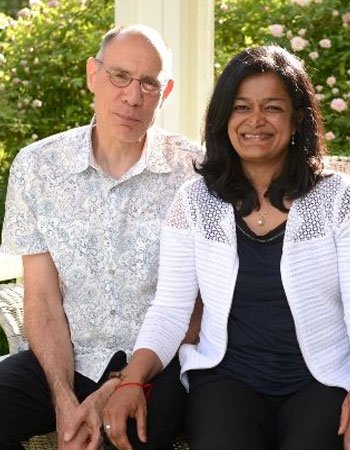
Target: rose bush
42 70
317 31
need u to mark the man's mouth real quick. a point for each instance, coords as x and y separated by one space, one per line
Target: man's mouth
127 118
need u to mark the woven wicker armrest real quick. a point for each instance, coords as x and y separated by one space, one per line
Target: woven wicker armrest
338 163
11 316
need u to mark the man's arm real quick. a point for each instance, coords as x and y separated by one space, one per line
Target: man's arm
48 333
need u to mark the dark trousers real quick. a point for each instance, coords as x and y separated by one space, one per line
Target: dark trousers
26 408
225 414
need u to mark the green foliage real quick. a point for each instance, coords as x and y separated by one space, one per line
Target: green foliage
242 23
42 71
11 7
4 348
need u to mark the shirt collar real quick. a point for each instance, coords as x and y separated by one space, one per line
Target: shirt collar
155 144
152 157
81 155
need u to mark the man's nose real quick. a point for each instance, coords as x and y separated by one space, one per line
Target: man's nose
133 93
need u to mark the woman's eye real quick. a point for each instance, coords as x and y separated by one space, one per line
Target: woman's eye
273 108
240 108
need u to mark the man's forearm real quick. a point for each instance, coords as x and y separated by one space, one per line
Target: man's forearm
48 334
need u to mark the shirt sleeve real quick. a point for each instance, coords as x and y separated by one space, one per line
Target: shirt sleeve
20 234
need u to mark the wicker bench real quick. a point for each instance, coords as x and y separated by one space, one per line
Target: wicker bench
11 320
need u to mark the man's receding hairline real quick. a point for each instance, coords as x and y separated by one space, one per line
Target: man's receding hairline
149 34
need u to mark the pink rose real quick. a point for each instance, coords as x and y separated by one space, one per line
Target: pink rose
346 17
339 105
33 3
24 12
37 103
331 81
301 2
314 55
276 30
330 136
298 43
325 43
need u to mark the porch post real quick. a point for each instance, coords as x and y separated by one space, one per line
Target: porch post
188 28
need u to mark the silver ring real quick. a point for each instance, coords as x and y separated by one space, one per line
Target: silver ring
107 427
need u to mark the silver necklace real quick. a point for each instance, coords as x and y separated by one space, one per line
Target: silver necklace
262 217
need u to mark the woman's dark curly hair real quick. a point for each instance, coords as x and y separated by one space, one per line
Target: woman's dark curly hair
221 168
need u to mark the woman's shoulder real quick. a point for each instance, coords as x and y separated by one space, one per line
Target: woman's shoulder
197 190
333 181
331 194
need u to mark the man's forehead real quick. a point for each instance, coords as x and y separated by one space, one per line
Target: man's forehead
133 50
133 42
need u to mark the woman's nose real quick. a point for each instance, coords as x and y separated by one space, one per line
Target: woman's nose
256 118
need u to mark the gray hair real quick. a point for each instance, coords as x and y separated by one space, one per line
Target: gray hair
150 34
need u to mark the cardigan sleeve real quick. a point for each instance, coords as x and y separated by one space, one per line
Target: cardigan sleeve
167 319
343 253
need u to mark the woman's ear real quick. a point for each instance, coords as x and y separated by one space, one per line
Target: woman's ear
298 118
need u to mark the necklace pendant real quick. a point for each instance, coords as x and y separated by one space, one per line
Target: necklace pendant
261 221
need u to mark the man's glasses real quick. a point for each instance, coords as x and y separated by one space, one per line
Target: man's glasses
121 78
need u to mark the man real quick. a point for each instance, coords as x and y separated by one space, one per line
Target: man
84 207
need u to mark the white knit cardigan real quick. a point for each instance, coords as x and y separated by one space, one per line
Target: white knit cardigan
199 252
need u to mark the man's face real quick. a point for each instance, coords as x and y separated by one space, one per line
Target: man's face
124 114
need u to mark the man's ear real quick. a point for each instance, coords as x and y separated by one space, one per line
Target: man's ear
168 88
91 69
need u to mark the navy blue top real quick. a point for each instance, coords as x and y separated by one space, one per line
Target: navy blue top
262 346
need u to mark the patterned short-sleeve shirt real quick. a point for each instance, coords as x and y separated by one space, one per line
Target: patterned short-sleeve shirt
102 233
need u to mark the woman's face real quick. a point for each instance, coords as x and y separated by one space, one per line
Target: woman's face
261 123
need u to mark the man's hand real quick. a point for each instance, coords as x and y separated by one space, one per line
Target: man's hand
86 421
66 408
344 426
127 402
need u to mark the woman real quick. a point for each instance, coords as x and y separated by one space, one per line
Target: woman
264 235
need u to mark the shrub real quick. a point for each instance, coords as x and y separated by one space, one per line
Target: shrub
4 348
317 31
11 7
42 70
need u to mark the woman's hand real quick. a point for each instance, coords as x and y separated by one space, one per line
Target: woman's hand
344 426
127 402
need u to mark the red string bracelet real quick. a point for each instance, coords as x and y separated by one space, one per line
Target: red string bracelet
147 387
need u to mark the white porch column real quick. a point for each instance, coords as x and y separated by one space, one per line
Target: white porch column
188 28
